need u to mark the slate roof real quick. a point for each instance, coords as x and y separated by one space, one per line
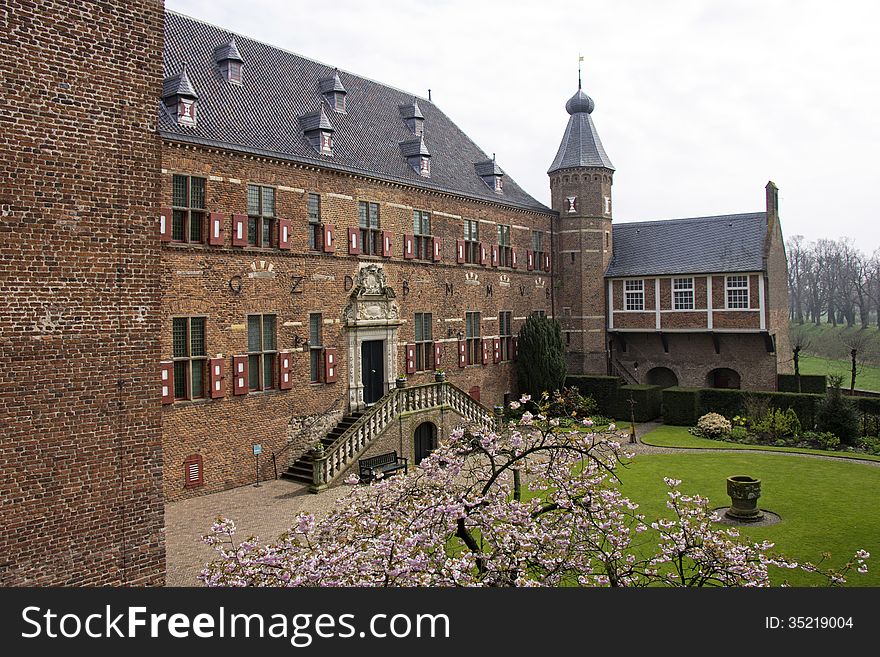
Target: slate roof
581 146
261 115
698 245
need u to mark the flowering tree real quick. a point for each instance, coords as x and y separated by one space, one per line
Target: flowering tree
528 505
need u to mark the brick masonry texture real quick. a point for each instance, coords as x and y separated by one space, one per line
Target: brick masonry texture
195 281
80 457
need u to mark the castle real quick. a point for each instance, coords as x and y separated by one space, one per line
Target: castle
282 242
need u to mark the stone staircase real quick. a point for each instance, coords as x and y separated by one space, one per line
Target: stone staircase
355 433
303 468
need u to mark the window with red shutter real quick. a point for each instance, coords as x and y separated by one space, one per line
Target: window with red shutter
240 372
459 251
462 353
437 241
410 359
496 350
408 252
167 369
329 365
487 346
192 471
494 255
215 229
217 378
284 233
354 241
285 378
386 244
165 224
515 349
513 258
438 355
329 239
530 260
546 262
239 230
483 254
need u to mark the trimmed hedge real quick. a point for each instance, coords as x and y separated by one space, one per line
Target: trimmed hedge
867 405
604 389
810 383
680 405
647 398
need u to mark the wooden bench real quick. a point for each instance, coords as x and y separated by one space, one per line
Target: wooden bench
385 463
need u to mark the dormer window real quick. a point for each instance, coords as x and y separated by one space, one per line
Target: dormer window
326 143
233 72
333 92
186 111
417 156
180 98
230 62
491 174
412 116
319 131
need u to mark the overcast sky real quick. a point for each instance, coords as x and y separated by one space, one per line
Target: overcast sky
698 103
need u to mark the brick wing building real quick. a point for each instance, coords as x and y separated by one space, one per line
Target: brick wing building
694 302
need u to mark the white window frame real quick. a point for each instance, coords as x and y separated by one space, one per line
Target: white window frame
683 289
737 283
634 295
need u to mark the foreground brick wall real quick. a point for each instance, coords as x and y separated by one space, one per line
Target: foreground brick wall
195 281
80 457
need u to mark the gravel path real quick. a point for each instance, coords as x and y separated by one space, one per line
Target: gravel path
268 510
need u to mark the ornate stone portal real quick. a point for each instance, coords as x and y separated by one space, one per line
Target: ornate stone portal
371 314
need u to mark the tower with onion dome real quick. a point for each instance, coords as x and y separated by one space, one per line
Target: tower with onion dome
580 191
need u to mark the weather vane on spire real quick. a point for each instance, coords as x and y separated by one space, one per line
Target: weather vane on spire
580 59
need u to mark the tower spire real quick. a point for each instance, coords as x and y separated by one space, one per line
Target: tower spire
580 59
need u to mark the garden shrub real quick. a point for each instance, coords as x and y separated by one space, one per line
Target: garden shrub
713 425
738 434
778 424
837 414
680 405
820 440
813 383
570 403
603 389
648 401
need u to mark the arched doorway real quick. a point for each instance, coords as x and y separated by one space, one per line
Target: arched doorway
661 376
425 441
723 377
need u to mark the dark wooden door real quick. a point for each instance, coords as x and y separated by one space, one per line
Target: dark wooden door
372 370
425 440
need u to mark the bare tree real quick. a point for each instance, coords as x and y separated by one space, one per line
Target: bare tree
859 344
800 341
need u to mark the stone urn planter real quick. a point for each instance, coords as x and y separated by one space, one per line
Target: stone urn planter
400 382
744 492
439 376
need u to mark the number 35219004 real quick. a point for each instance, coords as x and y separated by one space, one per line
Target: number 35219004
808 622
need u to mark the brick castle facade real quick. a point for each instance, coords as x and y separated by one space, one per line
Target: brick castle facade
319 235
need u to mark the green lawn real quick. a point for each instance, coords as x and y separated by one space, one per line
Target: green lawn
867 377
670 436
826 506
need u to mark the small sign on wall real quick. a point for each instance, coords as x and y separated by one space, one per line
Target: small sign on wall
258 449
